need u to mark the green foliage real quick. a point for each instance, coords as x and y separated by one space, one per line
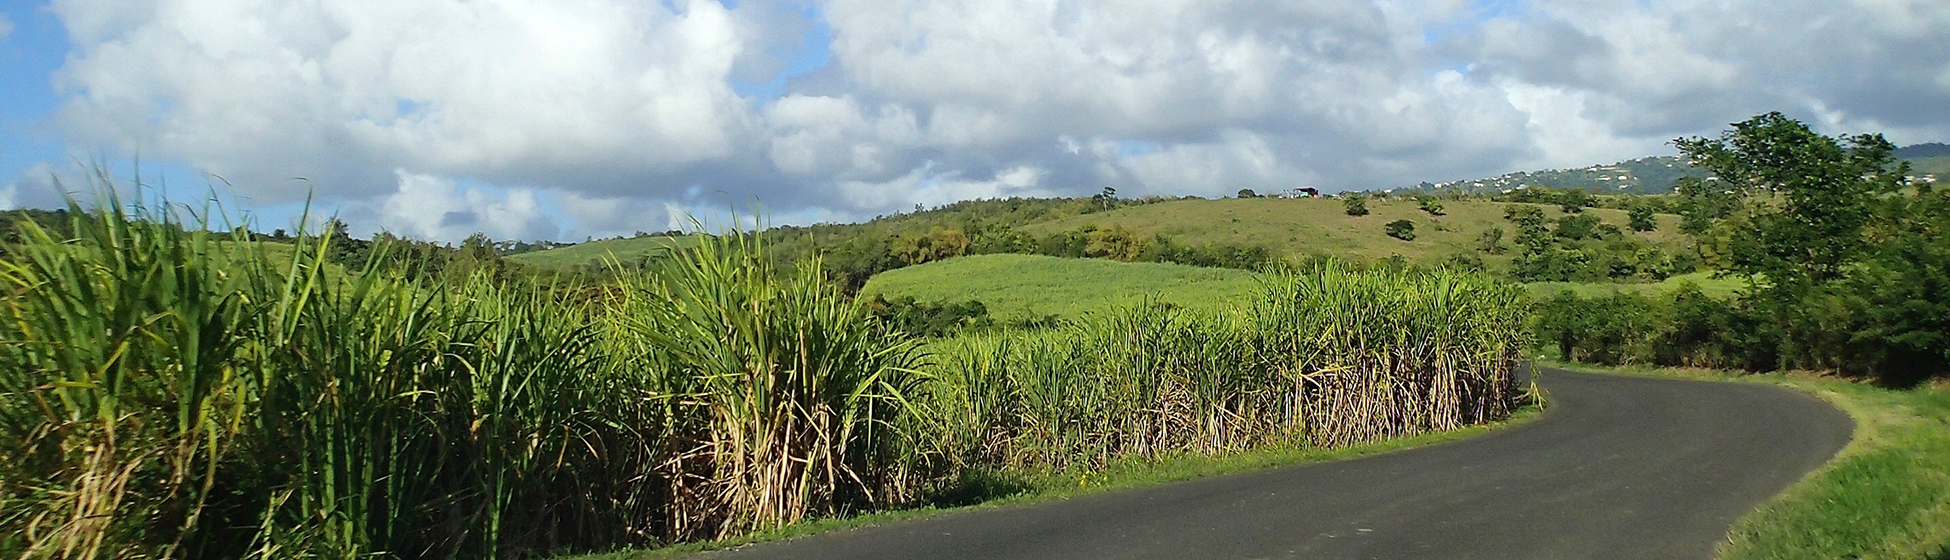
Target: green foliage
1641 218
1576 226
1401 229
1491 241
1430 204
1574 200
1156 380
1354 204
168 392
1582 248
1247 193
1817 191
904 314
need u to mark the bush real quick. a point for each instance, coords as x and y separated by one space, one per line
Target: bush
1401 229
1355 204
1431 205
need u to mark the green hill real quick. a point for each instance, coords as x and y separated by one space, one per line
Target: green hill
1320 226
1027 286
625 250
1292 227
1938 166
1715 287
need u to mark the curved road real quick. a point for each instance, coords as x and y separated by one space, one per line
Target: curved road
1618 467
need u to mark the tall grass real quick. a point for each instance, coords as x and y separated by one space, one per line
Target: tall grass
1326 358
168 392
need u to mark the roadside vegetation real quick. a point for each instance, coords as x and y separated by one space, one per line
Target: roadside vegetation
1838 257
171 392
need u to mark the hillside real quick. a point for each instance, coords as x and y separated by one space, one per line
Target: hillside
623 250
1027 286
1646 175
1302 227
1936 168
1292 227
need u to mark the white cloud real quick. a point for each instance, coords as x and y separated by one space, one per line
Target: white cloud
6 27
430 207
344 92
620 115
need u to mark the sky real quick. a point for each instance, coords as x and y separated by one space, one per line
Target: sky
569 119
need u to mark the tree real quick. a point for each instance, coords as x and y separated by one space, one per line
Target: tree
1105 199
1812 195
1577 226
1573 201
1248 193
1114 242
1401 229
1491 241
1356 205
1640 218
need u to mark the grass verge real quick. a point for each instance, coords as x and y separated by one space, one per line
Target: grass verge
1885 496
1029 488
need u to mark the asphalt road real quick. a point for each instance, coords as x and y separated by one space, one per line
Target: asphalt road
1618 467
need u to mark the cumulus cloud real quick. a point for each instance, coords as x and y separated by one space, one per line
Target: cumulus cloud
344 92
596 117
429 207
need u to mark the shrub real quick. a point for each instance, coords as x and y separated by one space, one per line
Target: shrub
1401 229
1355 204
1431 205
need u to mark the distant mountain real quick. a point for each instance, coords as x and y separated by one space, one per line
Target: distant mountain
1929 150
1646 175
1651 175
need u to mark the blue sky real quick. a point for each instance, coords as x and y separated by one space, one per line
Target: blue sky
528 119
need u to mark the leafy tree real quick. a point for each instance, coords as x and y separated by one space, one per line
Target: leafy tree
1577 226
1401 229
1641 218
1106 199
1355 205
1248 193
1573 201
1814 194
1114 242
1531 232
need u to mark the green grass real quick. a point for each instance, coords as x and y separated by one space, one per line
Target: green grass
1716 287
1293 227
1023 286
1122 474
1301 227
1885 496
598 251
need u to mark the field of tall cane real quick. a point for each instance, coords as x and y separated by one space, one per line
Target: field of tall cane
1327 358
170 392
